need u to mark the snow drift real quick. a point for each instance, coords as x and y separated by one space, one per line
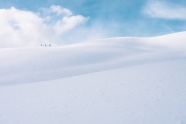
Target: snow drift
26 65
109 81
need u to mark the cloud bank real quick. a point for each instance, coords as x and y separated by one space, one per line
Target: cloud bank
165 10
26 28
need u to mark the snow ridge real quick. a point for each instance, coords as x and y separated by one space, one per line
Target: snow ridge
26 65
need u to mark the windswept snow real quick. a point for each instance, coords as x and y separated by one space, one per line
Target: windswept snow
108 81
26 65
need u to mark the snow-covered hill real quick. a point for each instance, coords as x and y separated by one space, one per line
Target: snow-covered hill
26 65
109 81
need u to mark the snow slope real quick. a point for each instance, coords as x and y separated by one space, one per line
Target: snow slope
26 65
135 81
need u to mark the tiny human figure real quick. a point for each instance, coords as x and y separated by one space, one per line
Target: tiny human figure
45 45
49 45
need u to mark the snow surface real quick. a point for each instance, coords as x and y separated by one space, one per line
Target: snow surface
109 81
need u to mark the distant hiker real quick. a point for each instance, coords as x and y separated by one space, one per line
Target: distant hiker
41 44
49 45
45 45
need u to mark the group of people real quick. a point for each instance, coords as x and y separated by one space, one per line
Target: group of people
45 45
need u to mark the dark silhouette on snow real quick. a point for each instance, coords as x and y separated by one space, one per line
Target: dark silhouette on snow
45 45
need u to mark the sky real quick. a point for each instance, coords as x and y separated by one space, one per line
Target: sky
32 22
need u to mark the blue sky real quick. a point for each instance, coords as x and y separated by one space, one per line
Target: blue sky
110 18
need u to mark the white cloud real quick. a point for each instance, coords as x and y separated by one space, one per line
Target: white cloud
68 23
25 28
60 10
56 10
164 10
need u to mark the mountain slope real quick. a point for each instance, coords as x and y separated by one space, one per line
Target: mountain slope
26 65
109 81
151 93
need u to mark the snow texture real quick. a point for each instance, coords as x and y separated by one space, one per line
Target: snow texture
108 81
